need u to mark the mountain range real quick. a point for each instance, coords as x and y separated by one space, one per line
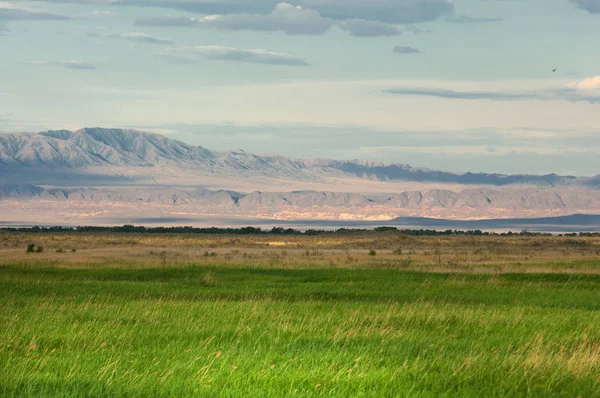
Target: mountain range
94 170
98 147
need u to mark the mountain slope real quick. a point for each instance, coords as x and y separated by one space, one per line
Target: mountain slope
106 175
131 150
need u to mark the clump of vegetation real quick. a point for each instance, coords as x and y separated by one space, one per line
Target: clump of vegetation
210 254
60 251
397 252
31 248
312 253
372 253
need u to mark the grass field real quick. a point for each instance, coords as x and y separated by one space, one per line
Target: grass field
155 316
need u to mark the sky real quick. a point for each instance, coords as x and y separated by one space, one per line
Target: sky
508 86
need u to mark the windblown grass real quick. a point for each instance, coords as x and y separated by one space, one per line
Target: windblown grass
99 315
240 332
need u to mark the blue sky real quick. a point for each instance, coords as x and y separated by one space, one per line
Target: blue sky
457 85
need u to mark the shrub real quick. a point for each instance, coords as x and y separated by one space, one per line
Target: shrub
39 249
30 248
60 251
397 252
372 253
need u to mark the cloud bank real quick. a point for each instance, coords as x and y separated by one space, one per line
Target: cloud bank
587 90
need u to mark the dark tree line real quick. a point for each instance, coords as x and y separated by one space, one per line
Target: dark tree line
127 229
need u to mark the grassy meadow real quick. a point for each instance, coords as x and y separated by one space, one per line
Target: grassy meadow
365 315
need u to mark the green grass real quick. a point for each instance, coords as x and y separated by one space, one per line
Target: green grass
228 332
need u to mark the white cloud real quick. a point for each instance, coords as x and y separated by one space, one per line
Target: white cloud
258 56
591 83
293 20
12 12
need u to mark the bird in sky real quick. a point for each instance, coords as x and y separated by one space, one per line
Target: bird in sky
554 70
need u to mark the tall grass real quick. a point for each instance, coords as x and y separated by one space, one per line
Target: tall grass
238 332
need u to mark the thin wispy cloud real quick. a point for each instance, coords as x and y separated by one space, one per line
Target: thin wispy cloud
405 50
138 37
587 90
416 30
69 64
465 95
221 53
102 13
466 19
14 12
366 28
479 150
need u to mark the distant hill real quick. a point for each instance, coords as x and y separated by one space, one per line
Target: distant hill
474 198
97 172
99 147
576 220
